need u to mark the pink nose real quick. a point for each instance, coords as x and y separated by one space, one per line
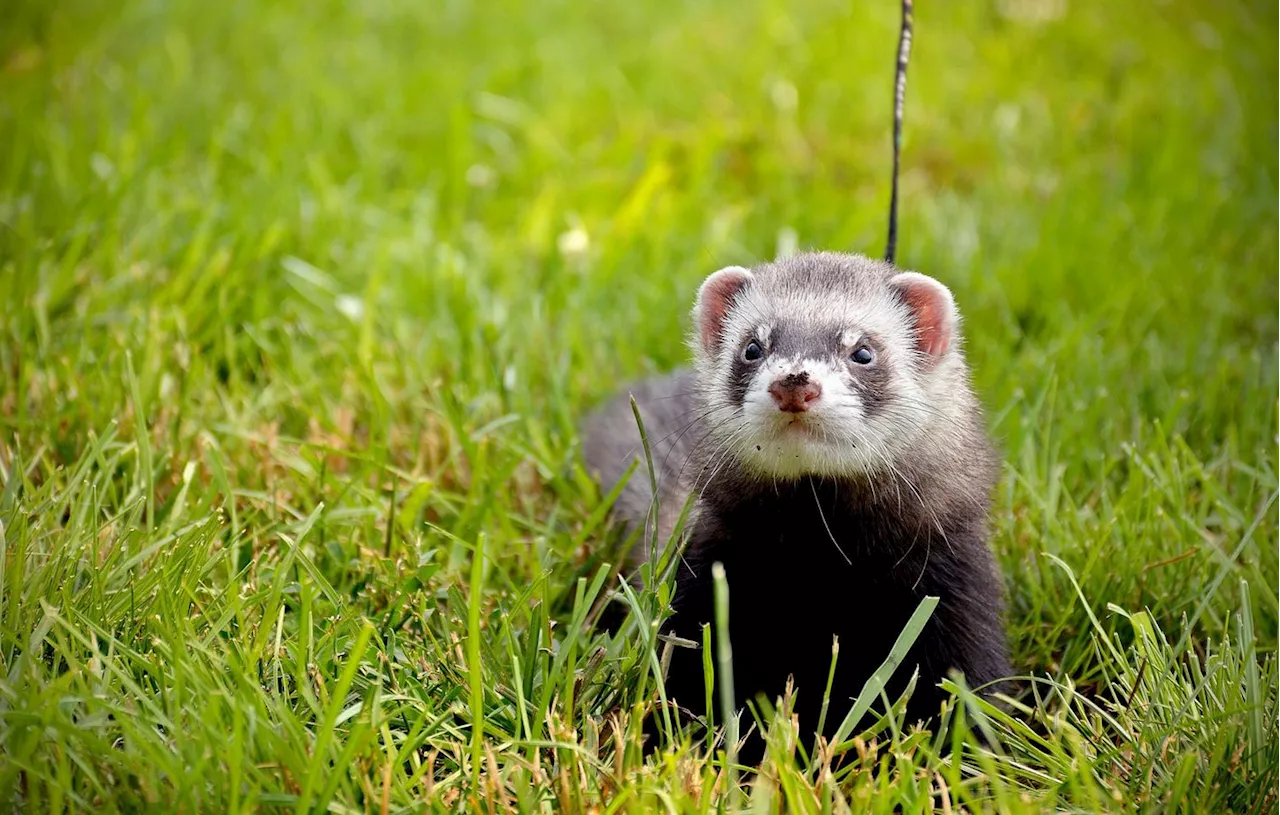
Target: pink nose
794 392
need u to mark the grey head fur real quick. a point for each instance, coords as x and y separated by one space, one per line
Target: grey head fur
894 422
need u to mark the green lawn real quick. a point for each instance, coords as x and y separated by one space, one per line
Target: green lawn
301 304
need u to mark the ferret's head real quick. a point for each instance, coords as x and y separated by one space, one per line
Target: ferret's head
827 364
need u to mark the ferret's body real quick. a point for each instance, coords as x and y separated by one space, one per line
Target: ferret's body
840 472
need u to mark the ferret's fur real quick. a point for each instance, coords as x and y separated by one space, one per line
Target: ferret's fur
834 519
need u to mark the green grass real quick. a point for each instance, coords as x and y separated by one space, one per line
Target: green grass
301 304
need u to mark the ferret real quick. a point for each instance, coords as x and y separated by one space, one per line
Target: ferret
840 470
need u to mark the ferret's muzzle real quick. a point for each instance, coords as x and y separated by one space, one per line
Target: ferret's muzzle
795 393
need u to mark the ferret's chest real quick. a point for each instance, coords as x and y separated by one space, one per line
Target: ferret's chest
797 578
794 551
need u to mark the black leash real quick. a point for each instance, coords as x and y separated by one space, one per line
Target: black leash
899 101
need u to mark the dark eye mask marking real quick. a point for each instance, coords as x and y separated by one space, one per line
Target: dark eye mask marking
873 384
740 375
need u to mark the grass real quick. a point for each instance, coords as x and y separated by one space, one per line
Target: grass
301 304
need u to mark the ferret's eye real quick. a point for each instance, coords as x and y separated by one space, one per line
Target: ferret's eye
752 352
863 356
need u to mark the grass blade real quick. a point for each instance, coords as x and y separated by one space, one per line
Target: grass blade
876 683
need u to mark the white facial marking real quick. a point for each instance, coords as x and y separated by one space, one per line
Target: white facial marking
785 444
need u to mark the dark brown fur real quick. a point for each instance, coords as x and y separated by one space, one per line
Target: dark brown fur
812 558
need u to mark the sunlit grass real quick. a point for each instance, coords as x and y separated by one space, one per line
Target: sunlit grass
301 306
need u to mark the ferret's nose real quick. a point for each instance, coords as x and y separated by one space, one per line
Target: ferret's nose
794 393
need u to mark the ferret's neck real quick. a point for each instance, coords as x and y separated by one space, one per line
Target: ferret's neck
734 491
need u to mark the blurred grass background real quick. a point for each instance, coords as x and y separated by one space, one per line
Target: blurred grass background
355 270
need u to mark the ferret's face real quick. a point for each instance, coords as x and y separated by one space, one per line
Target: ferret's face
822 364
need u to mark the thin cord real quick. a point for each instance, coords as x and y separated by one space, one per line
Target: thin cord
899 102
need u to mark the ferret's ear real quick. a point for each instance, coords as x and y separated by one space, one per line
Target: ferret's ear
715 299
933 311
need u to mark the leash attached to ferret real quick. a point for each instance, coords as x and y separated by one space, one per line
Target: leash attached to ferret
899 101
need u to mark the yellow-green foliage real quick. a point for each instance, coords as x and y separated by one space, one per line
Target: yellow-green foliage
300 304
